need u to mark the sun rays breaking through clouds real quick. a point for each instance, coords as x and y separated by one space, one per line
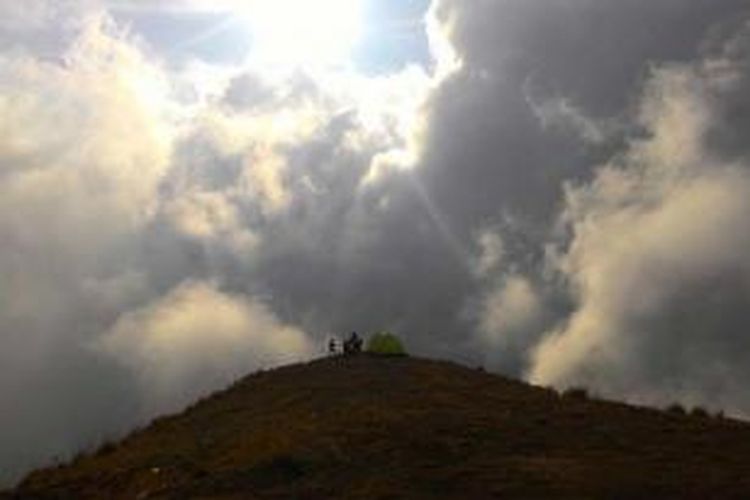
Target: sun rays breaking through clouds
193 189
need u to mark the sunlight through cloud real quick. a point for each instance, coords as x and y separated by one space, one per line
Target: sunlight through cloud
301 32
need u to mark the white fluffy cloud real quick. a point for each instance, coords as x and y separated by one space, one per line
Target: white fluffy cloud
509 310
491 253
84 144
196 339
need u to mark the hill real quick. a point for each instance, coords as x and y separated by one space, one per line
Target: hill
370 427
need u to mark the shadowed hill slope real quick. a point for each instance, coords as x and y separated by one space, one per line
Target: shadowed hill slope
369 427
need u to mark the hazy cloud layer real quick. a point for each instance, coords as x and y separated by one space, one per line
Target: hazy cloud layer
563 195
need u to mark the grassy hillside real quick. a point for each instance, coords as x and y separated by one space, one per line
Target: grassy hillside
369 427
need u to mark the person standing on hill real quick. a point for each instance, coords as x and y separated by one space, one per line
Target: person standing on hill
332 347
353 345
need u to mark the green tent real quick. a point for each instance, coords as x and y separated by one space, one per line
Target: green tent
386 344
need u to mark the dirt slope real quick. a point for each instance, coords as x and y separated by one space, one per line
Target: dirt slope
369 427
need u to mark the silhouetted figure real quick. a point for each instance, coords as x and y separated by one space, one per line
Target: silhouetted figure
353 345
332 347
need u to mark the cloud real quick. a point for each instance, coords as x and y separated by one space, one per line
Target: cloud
82 151
196 339
42 27
510 308
140 204
511 315
657 261
560 196
561 114
491 253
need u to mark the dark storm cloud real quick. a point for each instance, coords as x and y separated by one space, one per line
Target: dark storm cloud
488 162
486 145
487 158
656 314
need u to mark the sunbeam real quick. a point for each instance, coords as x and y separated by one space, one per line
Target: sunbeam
300 32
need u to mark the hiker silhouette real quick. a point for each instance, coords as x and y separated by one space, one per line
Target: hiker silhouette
353 345
332 346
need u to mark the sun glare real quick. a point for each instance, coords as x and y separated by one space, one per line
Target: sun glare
306 32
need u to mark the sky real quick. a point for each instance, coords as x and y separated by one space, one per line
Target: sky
192 190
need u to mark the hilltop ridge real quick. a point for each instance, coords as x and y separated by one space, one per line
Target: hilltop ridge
397 427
